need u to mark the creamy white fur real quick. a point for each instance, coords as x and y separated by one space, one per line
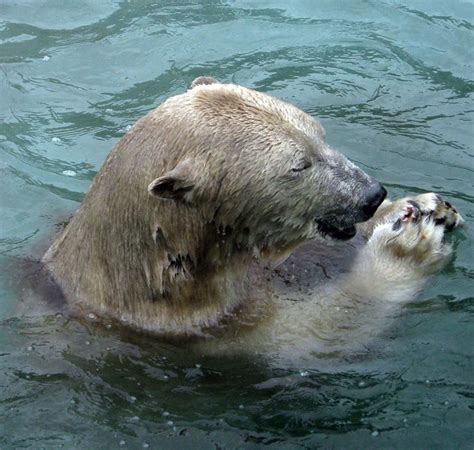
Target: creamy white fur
345 316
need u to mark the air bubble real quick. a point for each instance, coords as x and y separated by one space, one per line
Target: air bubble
375 433
69 173
46 58
56 140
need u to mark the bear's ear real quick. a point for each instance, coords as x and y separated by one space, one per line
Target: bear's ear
175 183
199 81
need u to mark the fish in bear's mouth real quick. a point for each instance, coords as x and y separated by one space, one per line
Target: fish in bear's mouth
339 233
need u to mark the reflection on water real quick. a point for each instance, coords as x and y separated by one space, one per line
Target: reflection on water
392 84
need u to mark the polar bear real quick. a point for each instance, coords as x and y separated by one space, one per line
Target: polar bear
198 190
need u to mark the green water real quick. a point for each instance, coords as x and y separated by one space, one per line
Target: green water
391 81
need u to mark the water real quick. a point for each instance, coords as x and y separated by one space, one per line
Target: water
392 83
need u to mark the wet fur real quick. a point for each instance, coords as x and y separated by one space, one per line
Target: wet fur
324 301
188 199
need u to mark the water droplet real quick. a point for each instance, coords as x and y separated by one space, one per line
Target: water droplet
29 348
109 111
361 383
133 398
375 433
241 406
128 128
135 418
69 173
46 58
304 373
145 445
198 366
108 349
122 443
108 326
427 381
170 423
88 343
166 413
165 377
56 140
92 316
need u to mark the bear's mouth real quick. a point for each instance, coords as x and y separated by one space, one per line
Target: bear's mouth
339 233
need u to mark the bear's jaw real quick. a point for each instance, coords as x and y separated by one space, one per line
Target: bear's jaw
337 233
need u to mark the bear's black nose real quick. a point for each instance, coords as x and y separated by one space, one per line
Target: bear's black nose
374 198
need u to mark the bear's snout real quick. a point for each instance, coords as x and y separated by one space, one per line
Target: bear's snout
374 197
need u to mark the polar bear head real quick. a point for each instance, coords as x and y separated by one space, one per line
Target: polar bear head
261 169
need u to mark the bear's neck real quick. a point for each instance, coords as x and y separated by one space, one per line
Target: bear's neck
177 278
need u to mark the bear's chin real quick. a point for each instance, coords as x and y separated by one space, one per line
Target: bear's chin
336 233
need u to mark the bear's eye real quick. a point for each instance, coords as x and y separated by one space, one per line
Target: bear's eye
301 165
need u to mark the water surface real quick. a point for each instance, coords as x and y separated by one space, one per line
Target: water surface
391 81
